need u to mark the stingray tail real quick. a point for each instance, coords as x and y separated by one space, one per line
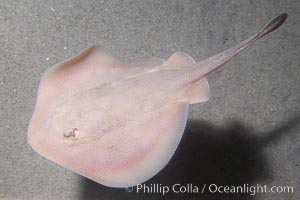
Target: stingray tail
202 68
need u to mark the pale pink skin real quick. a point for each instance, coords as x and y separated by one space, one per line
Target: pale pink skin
118 122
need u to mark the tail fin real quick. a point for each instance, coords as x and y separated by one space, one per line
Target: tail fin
204 67
273 25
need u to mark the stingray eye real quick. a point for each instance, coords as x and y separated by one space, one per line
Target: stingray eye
72 133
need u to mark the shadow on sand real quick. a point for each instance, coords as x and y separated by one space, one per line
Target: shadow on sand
231 155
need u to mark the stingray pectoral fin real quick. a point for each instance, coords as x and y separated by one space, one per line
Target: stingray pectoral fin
198 91
91 67
144 150
96 54
91 59
179 59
